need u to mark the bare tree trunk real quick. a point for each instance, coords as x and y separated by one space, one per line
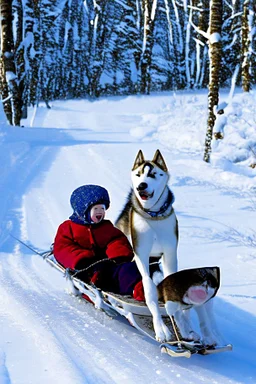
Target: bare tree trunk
37 57
149 10
215 62
19 55
178 46
132 19
202 51
6 19
246 45
98 38
9 78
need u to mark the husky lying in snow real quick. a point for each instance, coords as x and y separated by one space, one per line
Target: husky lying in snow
149 220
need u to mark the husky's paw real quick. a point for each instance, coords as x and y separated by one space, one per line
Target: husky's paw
210 341
192 336
163 334
212 338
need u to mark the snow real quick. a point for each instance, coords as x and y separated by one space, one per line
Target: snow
10 76
49 336
153 10
214 38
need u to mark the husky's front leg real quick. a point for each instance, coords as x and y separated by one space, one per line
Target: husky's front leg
208 327
142 240
182 317
182 320
162 332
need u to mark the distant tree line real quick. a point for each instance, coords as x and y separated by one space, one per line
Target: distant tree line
57 49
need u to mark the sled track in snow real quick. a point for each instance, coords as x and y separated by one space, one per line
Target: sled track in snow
70 327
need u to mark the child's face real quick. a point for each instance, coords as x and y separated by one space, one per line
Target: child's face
97 213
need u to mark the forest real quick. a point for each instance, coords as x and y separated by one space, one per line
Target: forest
61 49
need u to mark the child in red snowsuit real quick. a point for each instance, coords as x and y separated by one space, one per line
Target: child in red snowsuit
89 243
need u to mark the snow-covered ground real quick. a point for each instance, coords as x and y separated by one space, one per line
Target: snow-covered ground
48 336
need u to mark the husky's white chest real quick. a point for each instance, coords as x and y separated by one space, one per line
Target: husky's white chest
159 234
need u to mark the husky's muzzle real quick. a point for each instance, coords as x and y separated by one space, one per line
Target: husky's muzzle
144 195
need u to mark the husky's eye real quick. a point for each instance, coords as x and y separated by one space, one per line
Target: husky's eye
137 174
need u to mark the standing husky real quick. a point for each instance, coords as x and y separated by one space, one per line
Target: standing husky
149 220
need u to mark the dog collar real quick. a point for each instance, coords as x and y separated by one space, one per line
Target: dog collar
165 206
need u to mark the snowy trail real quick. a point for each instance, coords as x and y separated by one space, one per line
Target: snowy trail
65 340
60 331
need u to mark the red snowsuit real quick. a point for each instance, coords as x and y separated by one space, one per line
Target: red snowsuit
75 242
77 246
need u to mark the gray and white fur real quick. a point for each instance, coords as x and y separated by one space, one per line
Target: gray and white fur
148 219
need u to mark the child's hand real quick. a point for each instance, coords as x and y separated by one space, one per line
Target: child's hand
121 259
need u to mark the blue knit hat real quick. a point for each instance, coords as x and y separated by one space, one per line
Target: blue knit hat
83 198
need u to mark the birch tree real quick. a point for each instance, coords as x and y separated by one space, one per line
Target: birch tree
189 60
35 52
215 62
9 84
98 36
149 12
29 51
163 67
6 18
66 33
19 53
131 40
178 44
248 20
202 8
74 48
231 38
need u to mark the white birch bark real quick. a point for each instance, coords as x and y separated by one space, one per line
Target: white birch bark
181 45
170 29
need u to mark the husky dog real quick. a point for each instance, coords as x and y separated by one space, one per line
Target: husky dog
149 220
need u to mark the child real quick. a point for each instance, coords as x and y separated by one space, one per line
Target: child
87 241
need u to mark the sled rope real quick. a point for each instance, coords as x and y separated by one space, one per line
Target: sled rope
26 245
174 327
50 252
90 266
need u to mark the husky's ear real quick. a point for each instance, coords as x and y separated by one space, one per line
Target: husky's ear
159 161
139 160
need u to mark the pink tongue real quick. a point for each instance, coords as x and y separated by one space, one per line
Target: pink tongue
197 295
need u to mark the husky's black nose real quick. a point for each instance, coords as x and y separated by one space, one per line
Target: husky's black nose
142 186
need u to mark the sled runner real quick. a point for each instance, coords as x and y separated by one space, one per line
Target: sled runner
137 314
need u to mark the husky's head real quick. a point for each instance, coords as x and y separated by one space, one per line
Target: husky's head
149 178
